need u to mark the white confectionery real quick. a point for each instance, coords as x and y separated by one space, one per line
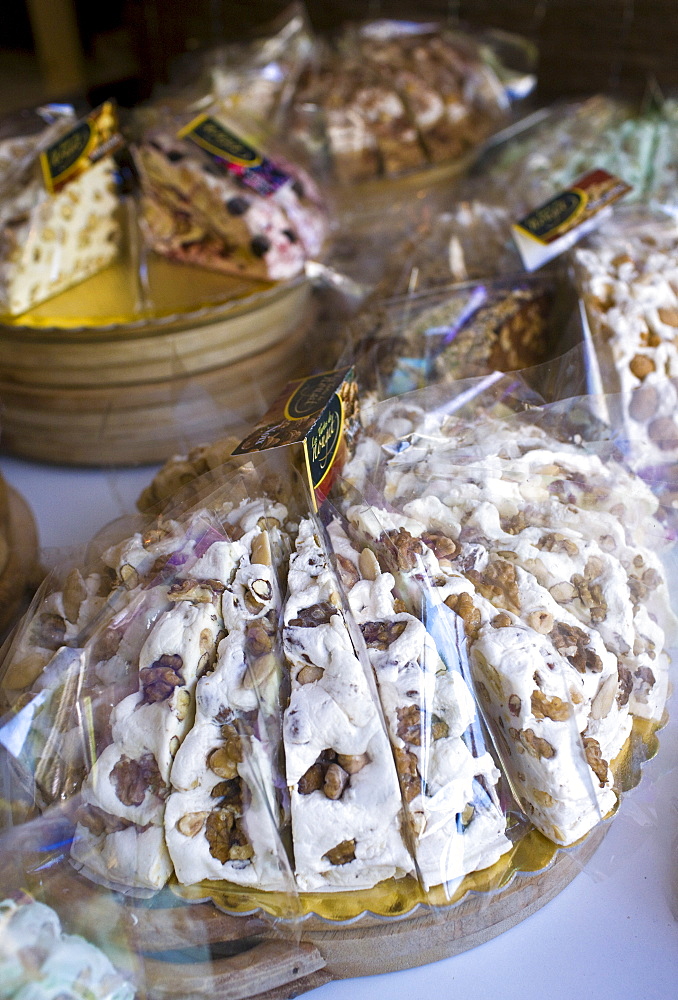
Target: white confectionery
223 818
628 277
50 242
39 962
452 805
345 798
544 554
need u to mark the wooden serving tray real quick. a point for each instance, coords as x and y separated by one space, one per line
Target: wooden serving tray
178 950
140 391
20 572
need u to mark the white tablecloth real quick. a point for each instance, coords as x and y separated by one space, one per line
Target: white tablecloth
612 934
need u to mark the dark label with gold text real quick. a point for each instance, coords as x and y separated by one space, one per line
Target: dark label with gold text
88 142
234 155
311 412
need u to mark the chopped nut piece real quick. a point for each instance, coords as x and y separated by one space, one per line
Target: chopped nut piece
129 576
409 724
183 704
260 671
549 708
462 605
498 583
318 614
259 637
309 674
342 854
406 765
501 620
262 589
261 550
380 634
353 763
133 778
218 832
335 781
348 572
535 745
540 621
160 679
554 542
641 366
514 704
542 797
368 565
563 592
192 823
197 591
595 760
442 546
221 763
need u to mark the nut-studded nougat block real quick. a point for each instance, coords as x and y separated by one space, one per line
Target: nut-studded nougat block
224 816
447 778
119 838
50 242
345 797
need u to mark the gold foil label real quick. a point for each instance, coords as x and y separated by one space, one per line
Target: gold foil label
86 143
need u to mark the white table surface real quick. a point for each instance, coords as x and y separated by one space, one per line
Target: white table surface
612 934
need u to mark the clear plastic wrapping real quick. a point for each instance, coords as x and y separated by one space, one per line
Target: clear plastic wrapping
387 97
237 718
53 239
214 194
627 276
462 331
553 562
539 157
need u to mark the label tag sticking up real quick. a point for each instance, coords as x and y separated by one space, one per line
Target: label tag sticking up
85 144
234 155
312 412
560 222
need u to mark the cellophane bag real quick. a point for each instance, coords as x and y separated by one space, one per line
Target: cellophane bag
466 330
532 162
627 277
529 526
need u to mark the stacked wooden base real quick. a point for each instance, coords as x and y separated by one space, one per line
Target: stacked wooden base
138 391
191 951
18 555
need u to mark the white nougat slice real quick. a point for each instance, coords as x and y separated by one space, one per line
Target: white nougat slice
119 838
345 798
447 778
50 242
223 817
537 672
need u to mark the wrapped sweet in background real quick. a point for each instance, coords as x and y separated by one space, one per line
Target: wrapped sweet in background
627 276
469 330
386 97
472 236
256 217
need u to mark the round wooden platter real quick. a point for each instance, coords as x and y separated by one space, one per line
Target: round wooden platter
99 397
179 950
19 574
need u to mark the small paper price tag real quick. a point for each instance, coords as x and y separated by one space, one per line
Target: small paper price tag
312 412
234 155
85 144
560 222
